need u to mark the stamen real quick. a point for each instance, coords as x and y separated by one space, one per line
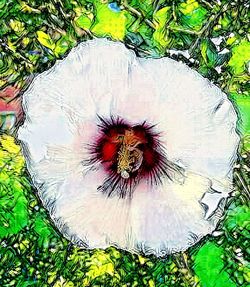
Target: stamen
129 157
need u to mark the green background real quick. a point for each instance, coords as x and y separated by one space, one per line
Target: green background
33 34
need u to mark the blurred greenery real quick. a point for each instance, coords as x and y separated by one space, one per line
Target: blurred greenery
211 37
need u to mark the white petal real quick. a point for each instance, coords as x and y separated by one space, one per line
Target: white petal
47 127
171 218
154 221
198 120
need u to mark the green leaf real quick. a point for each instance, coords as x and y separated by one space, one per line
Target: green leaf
99 264
84 22
209 266
17 26
3 8
109 23
189 7
11 159
160 37
242 105
62 46
238 217
193 14
144 6
14 208
14 205
204 46
2 3
45 40
240 57
43 230
208 52
225 21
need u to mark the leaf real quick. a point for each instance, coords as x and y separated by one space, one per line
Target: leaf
242 105
62 46
144 6
193 14
134 38
63 283
109 23
208 52
209 266
225 21
17 26
160 37
189 7
99 264
3 8
238 217
8 144
45 40
204 45
13 161
43 230
14 207
84 22
240 57
2 3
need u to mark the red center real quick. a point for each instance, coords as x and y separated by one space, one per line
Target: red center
139 138
129 153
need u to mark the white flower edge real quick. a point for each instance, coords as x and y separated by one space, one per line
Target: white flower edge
57 124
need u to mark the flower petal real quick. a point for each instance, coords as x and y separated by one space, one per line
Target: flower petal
198 120
155 221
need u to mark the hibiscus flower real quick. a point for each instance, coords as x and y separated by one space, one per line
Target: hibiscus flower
131 152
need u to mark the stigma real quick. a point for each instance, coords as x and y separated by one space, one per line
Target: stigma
130 157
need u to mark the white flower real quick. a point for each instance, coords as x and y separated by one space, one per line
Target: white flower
127 151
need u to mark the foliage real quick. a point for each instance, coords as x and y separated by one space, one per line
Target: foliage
211 37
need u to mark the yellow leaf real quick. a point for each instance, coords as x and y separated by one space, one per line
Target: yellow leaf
45 40
9 145
16 25
109 23
2 83
160 36
151 283
25 41
99 265
26 8
189 6
63 283
51 276
24 244
11 46
142 260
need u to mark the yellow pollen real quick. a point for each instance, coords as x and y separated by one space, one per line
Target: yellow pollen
129 157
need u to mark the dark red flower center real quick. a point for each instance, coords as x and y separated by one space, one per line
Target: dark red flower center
129 153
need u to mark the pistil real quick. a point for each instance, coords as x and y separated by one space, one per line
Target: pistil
129 156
